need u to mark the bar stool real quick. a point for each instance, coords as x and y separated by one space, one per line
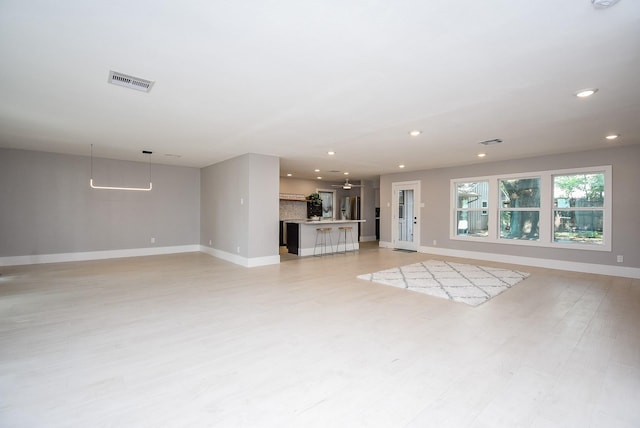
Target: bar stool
344 229
321 239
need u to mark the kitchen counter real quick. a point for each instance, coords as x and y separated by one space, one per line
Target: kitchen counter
301 235
304 221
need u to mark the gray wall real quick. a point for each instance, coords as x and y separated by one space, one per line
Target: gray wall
264 211
239 200
47 206
368 207
435 190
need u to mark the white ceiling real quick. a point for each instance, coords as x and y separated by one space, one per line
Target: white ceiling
296 79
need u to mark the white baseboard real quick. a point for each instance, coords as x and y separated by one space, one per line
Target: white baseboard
385 244
239 260
136 252
627 272
368 238
303 252
95 255
610 270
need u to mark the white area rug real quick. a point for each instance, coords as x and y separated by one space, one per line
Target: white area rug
459 282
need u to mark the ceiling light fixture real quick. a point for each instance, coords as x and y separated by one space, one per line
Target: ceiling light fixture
316 170
415 133
401 166
140 189
481 155
490 142
289 174
603 4
346 173
584 93
331 153
347 185
612 136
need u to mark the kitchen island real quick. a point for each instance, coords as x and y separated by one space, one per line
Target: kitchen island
301 235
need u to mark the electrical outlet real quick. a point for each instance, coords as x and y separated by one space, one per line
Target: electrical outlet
238 250
435 242
209 242
620 259
153 240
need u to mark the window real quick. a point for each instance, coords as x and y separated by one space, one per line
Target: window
520 208
578 215
328 198
470 209
564 208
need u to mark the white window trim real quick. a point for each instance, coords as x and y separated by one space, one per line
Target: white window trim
334 200
546 209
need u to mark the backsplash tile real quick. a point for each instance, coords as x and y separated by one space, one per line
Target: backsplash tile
290 210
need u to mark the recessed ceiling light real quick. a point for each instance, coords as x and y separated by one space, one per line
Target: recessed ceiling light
401 166
331 153
603 4
319 178
415 133
481 155
346 173
584 93
612 136
289 175
316 170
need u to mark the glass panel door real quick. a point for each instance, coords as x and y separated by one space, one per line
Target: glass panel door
405 216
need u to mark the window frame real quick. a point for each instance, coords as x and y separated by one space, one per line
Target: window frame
501 208
332 194
578 209
546 225
478 210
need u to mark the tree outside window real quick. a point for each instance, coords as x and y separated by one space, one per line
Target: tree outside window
578 215
568 208
520 208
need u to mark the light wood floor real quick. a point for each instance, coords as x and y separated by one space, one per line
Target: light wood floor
188 340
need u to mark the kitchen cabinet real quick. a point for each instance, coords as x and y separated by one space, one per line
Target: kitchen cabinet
301 235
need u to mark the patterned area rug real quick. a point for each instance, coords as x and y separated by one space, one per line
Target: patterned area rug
459 282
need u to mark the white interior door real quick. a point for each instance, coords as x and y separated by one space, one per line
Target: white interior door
406 215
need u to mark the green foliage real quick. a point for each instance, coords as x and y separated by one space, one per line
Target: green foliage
314 199
587 186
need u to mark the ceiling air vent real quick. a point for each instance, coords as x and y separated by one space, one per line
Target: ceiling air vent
130 82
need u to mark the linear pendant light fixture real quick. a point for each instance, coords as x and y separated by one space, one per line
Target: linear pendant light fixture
139 189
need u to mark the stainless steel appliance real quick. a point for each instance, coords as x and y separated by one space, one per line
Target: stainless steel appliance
350 209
